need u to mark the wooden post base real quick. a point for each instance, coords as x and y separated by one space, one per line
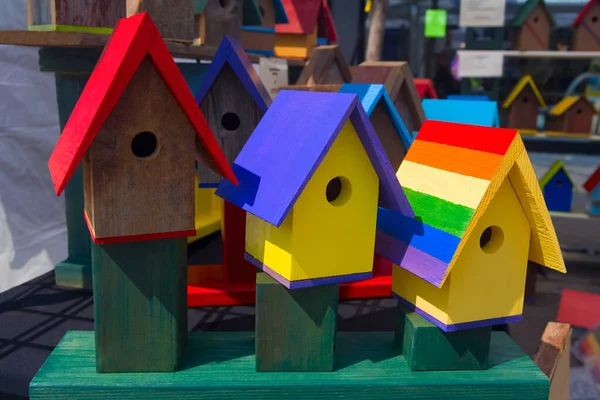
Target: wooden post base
295 329
220 365
427 348
73 274
140 312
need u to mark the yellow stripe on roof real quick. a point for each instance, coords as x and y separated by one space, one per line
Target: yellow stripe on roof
456 188
524 81
564 105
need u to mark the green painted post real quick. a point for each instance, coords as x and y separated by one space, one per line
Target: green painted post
140 305
427 348
295 329
72 68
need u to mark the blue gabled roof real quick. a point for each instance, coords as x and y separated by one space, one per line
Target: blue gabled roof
482 113
231 52
370 95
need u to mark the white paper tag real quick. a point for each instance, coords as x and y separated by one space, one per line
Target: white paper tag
482 13
273 74
480 64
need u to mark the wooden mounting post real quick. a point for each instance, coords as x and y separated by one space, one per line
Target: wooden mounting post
427 348
140 311
295 329
174 21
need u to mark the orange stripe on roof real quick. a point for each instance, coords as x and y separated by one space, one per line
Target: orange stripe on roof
467 162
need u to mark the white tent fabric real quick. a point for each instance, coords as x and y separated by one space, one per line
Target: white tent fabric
32 219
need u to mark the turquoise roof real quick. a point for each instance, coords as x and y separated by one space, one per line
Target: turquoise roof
482 113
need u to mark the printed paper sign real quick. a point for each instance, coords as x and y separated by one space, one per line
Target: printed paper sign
482 13
480 64
273 74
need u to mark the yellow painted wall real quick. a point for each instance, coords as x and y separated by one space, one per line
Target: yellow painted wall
209 211
320 239
484 283
288 45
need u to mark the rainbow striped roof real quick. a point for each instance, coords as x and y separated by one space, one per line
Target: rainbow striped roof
450 175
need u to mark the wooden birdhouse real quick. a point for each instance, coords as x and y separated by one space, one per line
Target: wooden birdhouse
464 269
558 187
523 105
258 36
307 20
572 116
399 83
326 65
532 25
385 119
214 19
231 118
138 131
336 171
482 113
592 186
586 28
74 15
425 88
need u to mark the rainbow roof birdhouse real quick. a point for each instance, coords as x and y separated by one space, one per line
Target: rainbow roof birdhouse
385 119
137 129
307 20
592 186
480 217
557 186
311 177
482 113
232 118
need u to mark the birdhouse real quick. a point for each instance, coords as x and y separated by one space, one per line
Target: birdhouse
572 115
310 177
470 97
482 113
586 28
307 20
532 25
480 216
523 105
592 186
231 118
258 36
326 65
425 88
385 119
74 15
558 187
214 19
399 83
135 127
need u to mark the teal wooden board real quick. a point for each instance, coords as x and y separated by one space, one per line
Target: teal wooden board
220 366
73 275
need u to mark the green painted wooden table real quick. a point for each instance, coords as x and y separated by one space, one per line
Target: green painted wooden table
220 365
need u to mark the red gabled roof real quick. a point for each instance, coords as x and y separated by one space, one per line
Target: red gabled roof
583 13
592 181
425 88
133 39
304 15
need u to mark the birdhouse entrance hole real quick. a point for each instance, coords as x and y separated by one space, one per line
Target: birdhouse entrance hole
223 3
491 239
525 99
594 19
144 144
230 121
338 191
559 183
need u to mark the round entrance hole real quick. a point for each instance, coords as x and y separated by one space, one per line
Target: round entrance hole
223 3
579 111
338 191
536 19
230 121
491 239
144 144
559 183
525 100
594 19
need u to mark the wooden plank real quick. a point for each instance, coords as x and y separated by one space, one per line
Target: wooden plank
233 232
222 20
175 21
428 348
387 133
140 308
553 358
75 13
295 329
220 365
68 60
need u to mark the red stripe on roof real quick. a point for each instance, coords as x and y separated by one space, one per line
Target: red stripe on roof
583 13
490 140
592 181
305 15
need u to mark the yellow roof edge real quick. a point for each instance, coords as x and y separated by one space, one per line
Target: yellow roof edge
518 88
564 105
554 168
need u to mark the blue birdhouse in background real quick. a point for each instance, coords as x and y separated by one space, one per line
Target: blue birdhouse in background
558 187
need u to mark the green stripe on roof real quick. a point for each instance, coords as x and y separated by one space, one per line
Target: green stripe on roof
441 214
527 8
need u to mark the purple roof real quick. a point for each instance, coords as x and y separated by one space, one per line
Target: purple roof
288 146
